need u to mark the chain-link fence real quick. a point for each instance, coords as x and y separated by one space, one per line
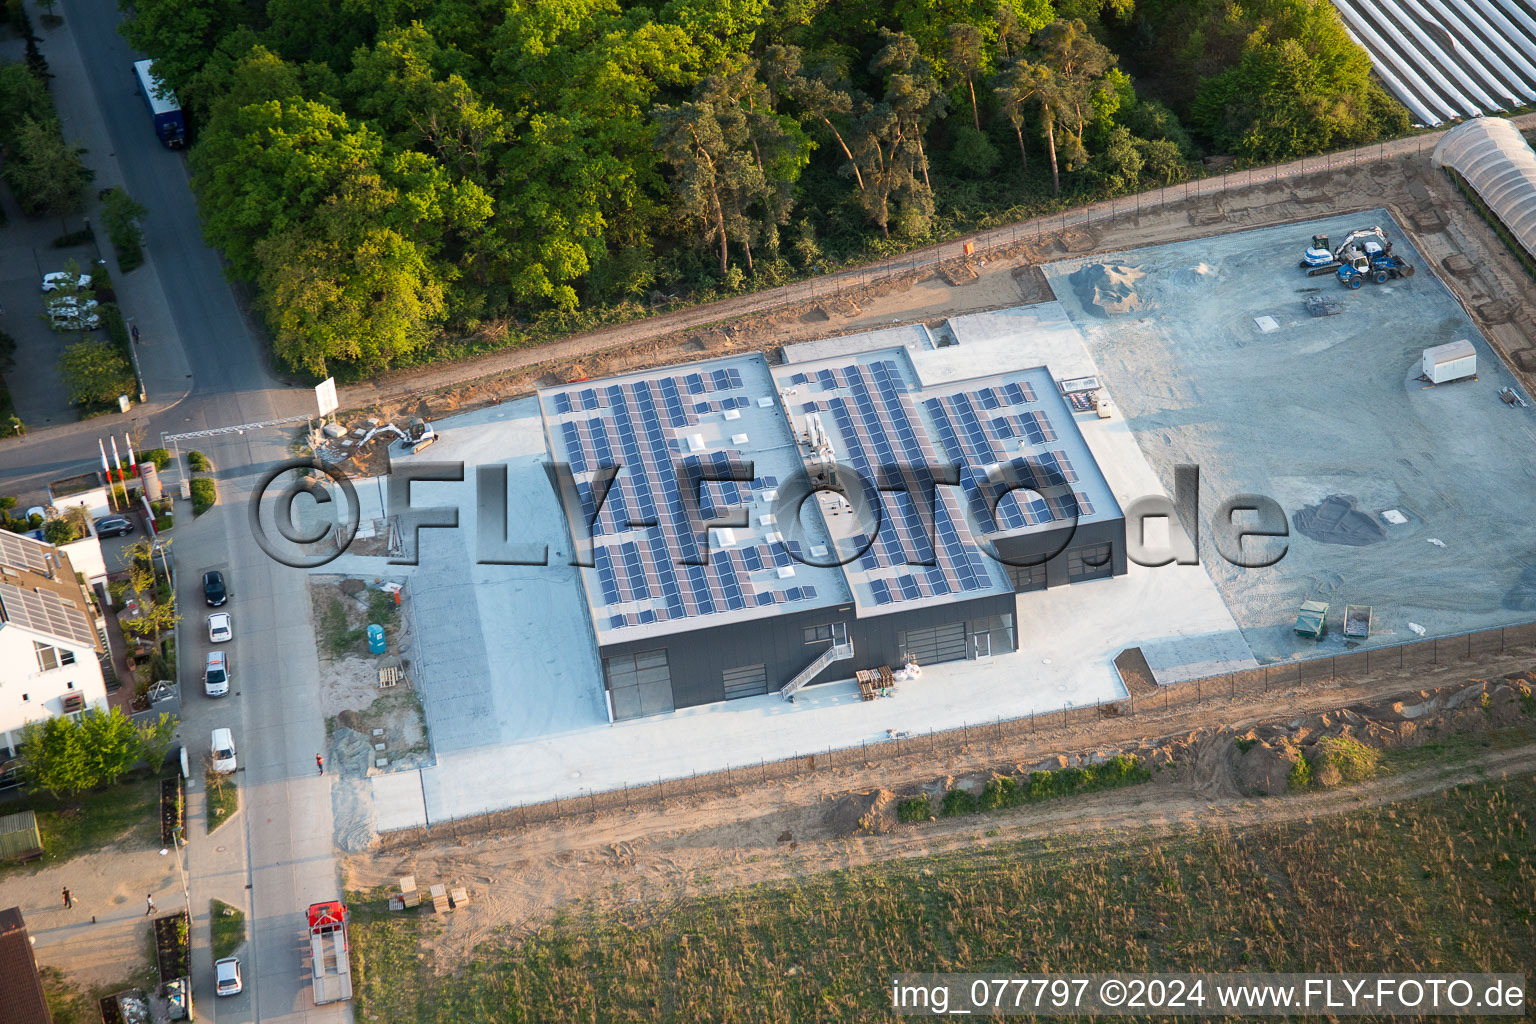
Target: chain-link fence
1358 665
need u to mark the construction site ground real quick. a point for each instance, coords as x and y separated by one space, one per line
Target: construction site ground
651 859
1214 360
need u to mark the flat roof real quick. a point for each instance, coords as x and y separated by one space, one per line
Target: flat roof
860 411
717 414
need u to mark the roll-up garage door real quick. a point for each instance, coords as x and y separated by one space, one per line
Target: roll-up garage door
934 644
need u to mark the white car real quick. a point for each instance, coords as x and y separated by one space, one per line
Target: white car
219 629
70 314
223 747
216 675
226 973
60 279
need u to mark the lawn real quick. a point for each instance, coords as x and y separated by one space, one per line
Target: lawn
125 816
223 798
1446 882
228 927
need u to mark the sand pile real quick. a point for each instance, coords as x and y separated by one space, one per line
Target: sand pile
1110 289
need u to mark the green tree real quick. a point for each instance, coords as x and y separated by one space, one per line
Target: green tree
263 169
22 96
55 757
180 34
111 744
1020 88
59 531
95 373
121 215
1078 64
822 93
344 287
155 740
964 58
45 173
911 91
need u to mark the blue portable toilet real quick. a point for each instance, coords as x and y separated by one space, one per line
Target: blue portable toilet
375 639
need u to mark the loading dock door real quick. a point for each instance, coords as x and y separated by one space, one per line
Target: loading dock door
934 643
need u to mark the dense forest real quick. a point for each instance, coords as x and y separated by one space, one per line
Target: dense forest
393 175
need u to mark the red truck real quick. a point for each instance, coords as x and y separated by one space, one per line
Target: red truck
330 951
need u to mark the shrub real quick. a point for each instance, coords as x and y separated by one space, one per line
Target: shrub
59 531
199 462
204 495
121 214
72 239
957 802
915 809
999 793
95 373
163 523
1300 775
1340 760
159 456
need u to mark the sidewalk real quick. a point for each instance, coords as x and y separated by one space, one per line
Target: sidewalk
140 294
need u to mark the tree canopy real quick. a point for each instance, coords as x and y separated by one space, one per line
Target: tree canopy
395 174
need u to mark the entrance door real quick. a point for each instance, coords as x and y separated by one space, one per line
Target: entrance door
981 645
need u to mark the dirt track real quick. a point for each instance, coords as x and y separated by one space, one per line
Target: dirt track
940 281
659 856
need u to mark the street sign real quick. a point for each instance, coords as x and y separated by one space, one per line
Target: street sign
325 396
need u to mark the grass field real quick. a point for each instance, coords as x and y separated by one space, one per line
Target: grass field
1445 882
228 927
125 815
223 798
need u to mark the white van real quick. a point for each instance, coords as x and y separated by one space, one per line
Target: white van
223 751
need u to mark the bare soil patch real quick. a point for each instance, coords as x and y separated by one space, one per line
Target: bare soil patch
1203 777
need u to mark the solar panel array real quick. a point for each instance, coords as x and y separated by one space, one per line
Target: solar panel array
881 438
47 613
1006 487
646 530
22 553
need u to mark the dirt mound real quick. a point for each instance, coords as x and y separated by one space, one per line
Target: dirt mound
1193 278
1110 289
871 813
1264 768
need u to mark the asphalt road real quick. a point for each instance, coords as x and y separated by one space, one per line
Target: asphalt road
204 364
206 368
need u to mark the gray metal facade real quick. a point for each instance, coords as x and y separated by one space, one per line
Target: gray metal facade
699 662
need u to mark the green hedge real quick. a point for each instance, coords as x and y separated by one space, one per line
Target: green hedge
204 495
1009 791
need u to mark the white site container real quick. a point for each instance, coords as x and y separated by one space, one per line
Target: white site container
1451 361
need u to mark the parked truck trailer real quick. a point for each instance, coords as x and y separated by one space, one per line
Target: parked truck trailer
163 107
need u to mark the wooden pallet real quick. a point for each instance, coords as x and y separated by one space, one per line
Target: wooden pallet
873 680
409 896
458 896
440 899
391 677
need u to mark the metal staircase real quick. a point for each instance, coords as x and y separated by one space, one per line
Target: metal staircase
836 652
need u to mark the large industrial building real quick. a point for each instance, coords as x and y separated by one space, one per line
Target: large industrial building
825 480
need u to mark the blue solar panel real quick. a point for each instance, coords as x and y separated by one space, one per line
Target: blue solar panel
882 591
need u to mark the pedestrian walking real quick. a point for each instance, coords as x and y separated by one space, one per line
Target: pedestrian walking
135 333
149 904
69 898
320 763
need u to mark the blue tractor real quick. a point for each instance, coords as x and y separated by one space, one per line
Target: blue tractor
1377 264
